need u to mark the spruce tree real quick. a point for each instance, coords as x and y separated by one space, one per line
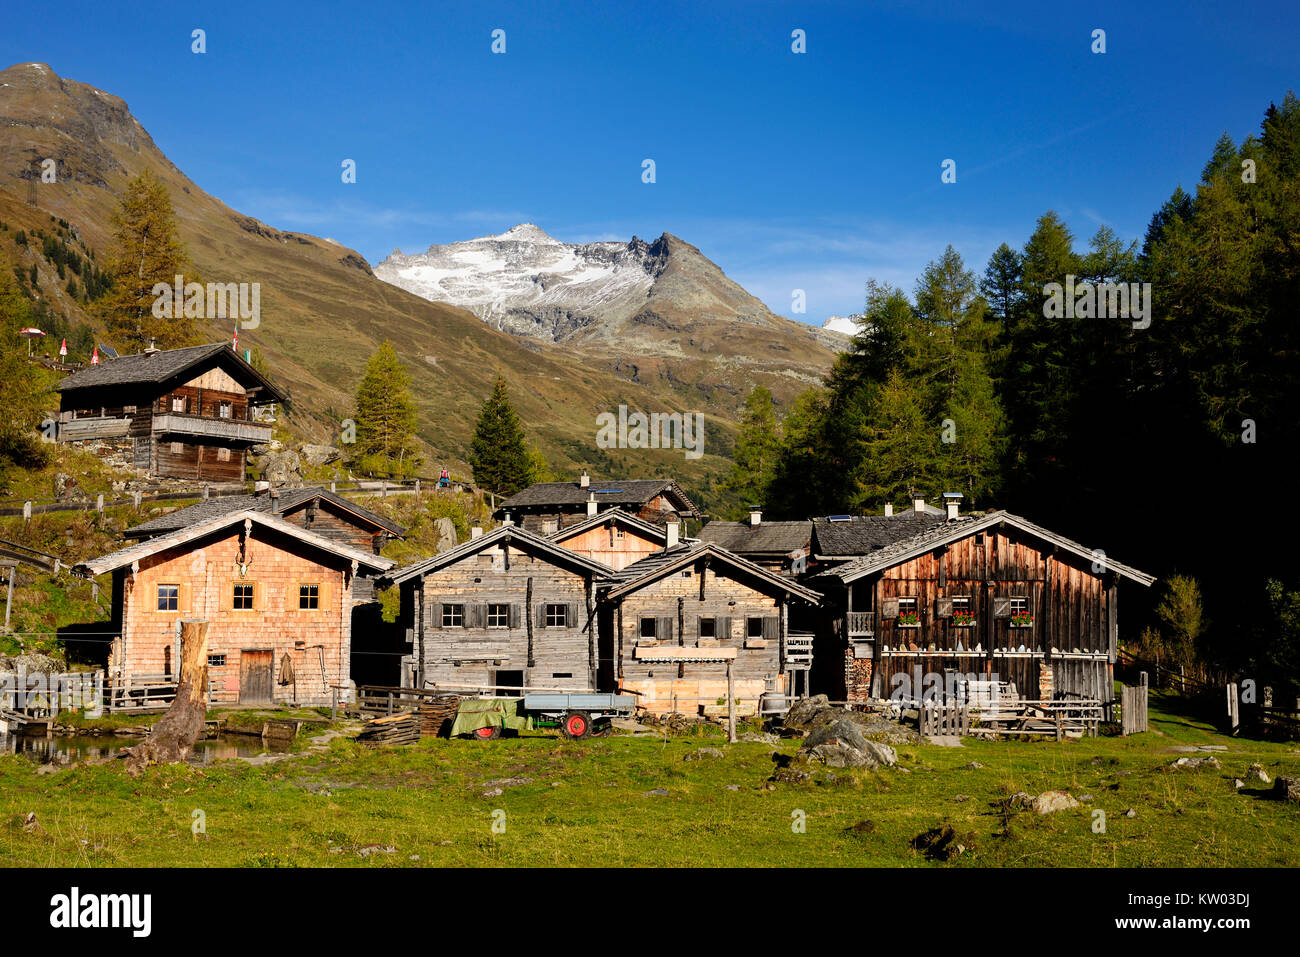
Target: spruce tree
385 417
757 446
499 455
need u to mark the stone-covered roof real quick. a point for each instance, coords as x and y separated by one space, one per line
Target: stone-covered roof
289 500
945 532
864 534
182 536
621 493
661 563
512 535
160 366
765 538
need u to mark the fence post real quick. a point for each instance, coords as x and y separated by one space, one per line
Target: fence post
136 498
333 487
99 503
27 511
417 486
205 491
334 702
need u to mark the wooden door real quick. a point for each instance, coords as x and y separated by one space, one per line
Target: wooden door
255 671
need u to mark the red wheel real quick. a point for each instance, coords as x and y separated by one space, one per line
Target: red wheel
487 734
576 725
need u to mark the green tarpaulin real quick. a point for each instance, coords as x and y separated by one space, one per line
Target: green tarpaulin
475 713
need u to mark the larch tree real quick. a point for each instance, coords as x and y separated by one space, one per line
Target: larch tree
385 417
757 446
146 251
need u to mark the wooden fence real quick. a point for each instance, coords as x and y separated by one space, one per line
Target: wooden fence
1133 707
143 693
944 720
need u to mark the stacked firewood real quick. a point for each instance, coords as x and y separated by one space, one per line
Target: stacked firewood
401 728
437 715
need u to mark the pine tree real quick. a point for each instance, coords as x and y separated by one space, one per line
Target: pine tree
385 417
147 251
499 453
1001 283
757 447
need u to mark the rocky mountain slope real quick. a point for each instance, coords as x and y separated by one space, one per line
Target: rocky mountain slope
693 342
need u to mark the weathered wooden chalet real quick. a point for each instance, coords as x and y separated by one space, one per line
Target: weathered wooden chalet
546 507
613 538
995 596
672 623
508 609
314 508
278 597
183 413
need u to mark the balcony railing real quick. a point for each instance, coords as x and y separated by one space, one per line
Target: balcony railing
860 624
211 426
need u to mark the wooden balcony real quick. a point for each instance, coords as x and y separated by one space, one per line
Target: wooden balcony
211 427
860 624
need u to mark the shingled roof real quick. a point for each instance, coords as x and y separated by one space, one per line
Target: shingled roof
623 493
511 535
864 534
943 533
663 563
654 533
765 538
289 499
217 523
160 366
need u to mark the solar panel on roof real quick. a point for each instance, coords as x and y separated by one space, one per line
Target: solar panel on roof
609 490
839 518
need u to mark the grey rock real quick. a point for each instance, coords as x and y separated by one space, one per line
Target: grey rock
1286 788
656 792
1238 783
1050 802
319 454
281 468
494 792
699 754
1130 813
973 766
1210 761
446 534
1256 772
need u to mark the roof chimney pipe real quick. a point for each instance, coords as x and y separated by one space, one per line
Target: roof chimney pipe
584 480
918 505
952 502
889 510
672 533
476 532
591 503
755 515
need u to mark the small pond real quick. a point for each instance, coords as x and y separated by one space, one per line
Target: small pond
65 749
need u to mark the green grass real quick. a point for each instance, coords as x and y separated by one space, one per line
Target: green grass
585 804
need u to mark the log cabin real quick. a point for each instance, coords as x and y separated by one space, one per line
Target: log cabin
780 547
995 596
188 413
673 623
612 537
278 597
506 609
546 507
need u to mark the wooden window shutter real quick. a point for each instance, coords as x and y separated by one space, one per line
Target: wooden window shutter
324 596
572 616
185 597
514 616
541 614
723 628
943 607
889 607
664 628
477 616
259 596
699 627
769 627
435 614
1001 606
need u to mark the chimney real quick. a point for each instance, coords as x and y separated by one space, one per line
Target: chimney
755 515
673 532
889 509
952 502
918 505
261 488
591 503
476 532
275 500
584 481
152 350
507 520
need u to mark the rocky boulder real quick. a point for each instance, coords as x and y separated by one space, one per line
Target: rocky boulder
281 468
810 715
1286 788
842 744
1050 802
319 454
446 534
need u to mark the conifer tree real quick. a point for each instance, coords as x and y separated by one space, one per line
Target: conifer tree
499 454
146 251
385 417
757 446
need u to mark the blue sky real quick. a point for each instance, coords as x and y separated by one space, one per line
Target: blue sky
813 171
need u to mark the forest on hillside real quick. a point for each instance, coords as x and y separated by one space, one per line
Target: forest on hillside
1164 435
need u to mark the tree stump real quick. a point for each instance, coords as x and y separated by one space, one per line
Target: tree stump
173 737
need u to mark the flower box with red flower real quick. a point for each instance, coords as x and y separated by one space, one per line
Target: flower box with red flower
909 619
963 619
1022 619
